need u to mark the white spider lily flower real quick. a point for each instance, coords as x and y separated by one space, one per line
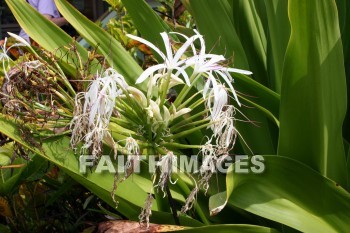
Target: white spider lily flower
165 165
99 103
209 64
204 63
171 61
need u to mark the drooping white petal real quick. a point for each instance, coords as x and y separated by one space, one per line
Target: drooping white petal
165 165
220 100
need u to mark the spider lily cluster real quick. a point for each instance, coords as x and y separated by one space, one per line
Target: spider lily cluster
186 93
135 121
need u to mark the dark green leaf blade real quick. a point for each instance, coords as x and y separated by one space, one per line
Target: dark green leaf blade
313 100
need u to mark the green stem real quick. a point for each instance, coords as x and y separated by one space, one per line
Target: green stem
164 90
197 103
180 146
196 123
187 132
188 119
183 105
185 90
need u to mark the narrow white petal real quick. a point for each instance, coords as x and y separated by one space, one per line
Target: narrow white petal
149 44
175 80
156 111
184 74
18 38
182 112
201 39
228 81
148 72
206 88
187 38
184 47
166 115
167 43
233 70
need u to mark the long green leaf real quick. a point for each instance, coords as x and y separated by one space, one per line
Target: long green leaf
48 35
230 229
58 151
115 54
147 22
249 26
278 36
215 21
313 100
290 193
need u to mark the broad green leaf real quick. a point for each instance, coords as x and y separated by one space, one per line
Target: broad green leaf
58 151
344 18
6 152
263 96
239 228
290 193
278 36
214 21
147 22
9 176
116 56
249 26
313 100
48 35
